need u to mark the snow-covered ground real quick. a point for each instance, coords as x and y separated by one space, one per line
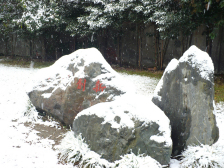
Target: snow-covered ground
19 143
22 140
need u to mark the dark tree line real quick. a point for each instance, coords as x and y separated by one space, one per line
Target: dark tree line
82 20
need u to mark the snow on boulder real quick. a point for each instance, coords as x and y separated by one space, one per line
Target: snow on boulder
186 94
73 83
113 129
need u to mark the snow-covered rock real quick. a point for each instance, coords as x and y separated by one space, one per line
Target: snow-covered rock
186 94
131 123
73 83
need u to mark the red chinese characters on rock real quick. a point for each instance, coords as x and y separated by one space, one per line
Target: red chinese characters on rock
98 87
81 85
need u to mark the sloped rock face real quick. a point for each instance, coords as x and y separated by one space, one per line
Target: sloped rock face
75 82
116 128
186 94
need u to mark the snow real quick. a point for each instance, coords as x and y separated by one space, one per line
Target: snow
174 163
172 65
158 88
21 144
208 5
199 59
131 160
22 147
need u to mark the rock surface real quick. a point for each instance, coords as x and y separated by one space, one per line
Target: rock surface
73 83
113 129
186 94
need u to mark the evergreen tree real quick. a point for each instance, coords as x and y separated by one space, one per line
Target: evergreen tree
39 14
9 11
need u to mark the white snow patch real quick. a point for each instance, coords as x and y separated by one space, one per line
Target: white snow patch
20 145
171 66
174 163
140 161
141 85
199 59
157 90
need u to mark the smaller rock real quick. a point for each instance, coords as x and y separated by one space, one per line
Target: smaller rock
116 128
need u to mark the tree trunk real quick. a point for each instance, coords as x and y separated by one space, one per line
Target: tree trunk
119 49
6 47
31 49
209 40
56 53
14 44
220 47
105 45
43 49
186 43
139 47
164 51
189 44
86 42
182 43
161 55
12 50
156 45
100 41
74 42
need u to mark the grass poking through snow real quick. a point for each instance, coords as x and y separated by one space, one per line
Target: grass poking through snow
203 156
74 150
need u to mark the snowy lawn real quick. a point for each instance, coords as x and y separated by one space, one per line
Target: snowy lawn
28 141
20 144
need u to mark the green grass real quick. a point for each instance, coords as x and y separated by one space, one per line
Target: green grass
43 64
24 62
219 88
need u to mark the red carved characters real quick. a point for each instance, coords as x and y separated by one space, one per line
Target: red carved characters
80 84
98 87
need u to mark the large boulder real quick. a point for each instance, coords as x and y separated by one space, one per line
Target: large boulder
113 129
186 94
73 83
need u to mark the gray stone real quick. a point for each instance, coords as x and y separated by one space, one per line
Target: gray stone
186 94
57 90
116 128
